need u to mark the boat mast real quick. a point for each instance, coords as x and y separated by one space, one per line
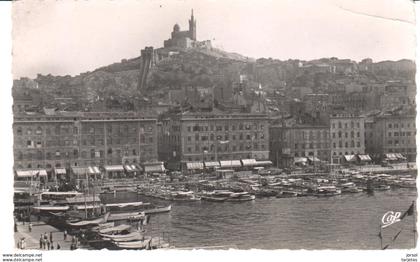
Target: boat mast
85 197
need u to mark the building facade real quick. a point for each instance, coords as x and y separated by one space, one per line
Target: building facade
395 134
83 139
347 136
213 136
296 141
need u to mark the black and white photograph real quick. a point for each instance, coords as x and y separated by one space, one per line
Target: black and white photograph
213 125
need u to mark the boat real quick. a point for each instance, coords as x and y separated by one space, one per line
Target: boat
147 243
157 210
127 216
50 208
287 194
327 191
240 197
90 222
184 196
115 230
382 188
133 236
350 187
216 196
103 226
266 192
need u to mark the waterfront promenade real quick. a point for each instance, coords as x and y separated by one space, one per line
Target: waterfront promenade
38 228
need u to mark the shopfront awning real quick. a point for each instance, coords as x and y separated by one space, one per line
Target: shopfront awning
263 163
212 164
314 159
31 173
350 158
230 163
158 168
365 158
60 171
300 160
131 168
91 170
114 168
391 157
249 162
400 156
195 165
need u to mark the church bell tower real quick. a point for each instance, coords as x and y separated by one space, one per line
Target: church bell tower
193 28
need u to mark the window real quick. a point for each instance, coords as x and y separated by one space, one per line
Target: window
333 135
29 143
19 131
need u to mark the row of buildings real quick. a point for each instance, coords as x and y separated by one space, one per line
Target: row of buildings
343 137
111 140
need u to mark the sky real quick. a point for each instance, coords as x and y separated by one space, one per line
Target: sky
70 37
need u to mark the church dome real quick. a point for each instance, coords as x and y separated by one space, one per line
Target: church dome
176 28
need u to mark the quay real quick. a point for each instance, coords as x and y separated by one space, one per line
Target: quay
38 228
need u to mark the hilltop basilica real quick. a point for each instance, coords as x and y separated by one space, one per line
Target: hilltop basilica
186 39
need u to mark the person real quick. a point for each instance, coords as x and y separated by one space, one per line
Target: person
22 243
16 230
48 245
65 234
41 243
58 246
51 237
30 227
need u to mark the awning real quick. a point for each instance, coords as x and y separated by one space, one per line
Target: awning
114 168
230 163
391 156
350 158
248 162
300 160
91 170
30 173
400 156
212 164
314 159
154 168
263 163
131 168
60 171
364 158
195 165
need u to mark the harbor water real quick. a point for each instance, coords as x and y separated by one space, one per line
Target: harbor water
348 221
